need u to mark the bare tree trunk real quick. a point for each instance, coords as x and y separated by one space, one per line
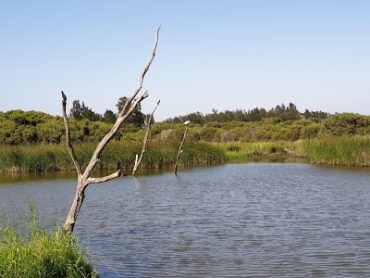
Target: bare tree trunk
138 158
74 210
180 151
85 179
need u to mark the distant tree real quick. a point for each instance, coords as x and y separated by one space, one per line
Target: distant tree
279 109
89 114
137 118
315 116
291 113
254 115
109 116
196 118
76 110
306 114
319 115
280 112
81 111
121 103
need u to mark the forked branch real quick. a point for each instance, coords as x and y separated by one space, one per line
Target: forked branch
104 179
85 179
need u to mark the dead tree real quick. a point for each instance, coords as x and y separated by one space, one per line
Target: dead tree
138 158
84 177
180 151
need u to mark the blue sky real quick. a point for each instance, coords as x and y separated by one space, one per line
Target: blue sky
212 54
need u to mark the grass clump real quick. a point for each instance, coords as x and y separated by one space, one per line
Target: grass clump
39 254
341 151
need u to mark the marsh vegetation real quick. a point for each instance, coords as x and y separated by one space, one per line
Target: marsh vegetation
32 141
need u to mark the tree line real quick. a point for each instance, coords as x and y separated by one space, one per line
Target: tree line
281 112
81 111
280 123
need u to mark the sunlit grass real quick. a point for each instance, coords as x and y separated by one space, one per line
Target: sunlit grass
346 151
241 152
39 254
40 157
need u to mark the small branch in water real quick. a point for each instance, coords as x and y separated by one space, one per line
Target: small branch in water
138 158
179 152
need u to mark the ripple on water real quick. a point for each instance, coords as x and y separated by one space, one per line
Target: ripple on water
256 220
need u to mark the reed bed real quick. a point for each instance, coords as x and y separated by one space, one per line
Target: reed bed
346 151
118 154
340 151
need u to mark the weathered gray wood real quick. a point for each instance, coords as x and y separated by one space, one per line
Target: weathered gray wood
68 135
179 152
85 179
138 158
145 70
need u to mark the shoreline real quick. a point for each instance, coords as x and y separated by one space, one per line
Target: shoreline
340 151
9 176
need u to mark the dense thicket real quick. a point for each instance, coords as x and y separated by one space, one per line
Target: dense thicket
280 123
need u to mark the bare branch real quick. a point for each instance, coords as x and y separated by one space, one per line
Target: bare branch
136 163
145 70
106 139
104 179
68 136
84 179
140 158
179 152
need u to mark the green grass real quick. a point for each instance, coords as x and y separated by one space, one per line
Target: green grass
47 158
341 151
39 254
242 152
338 151
347 151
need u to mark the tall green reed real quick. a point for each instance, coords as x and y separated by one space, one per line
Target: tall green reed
39 254
345 151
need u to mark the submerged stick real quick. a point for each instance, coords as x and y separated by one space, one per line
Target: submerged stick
179 152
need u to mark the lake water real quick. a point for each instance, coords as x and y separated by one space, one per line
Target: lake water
237 220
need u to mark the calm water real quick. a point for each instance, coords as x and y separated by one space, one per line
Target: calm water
245 220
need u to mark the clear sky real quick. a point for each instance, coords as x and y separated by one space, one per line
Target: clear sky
212 54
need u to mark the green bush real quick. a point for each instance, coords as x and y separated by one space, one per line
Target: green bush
347 124
19 127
